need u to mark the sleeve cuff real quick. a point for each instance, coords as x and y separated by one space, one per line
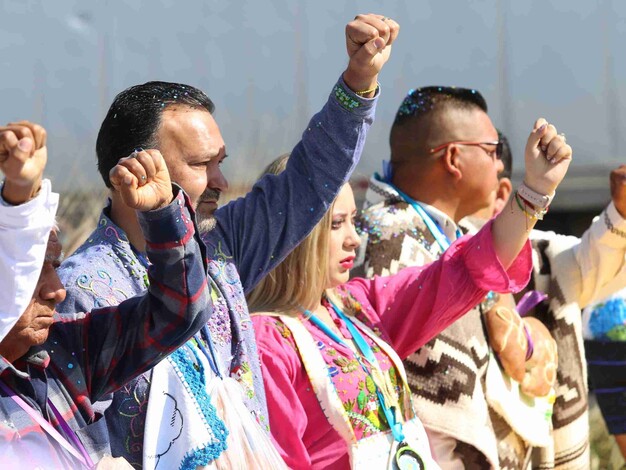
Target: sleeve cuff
343 96
171 225
40 210
485 268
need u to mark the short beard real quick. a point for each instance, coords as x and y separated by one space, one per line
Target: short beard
206 223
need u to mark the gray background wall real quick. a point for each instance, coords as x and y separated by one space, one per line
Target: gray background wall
268 65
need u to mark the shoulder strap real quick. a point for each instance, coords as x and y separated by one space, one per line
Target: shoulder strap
45 425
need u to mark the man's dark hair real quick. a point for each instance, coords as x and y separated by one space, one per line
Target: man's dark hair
419 111
421 101
134 118
507 156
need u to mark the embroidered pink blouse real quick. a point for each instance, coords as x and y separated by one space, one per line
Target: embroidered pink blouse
408 310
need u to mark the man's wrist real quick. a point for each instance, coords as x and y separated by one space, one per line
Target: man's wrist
167 224
545 189
166 202
359 84
16 194
537 199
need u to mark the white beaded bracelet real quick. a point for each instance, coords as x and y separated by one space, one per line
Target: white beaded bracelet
538 200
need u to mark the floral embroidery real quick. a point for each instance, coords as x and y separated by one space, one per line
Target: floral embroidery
243 374
133 408
354 308
219 322
100 284
282 329
364 412
222 268
241 311
231 320
353 385
356 390
102 289
346 365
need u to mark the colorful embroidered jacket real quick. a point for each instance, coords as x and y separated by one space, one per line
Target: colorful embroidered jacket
252 235
448 375
88 355
407 310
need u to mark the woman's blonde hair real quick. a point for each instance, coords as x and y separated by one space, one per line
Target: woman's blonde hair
300 279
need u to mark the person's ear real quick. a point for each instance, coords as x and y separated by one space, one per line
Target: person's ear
451 161
505 188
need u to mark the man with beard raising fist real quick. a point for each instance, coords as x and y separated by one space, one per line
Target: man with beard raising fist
155 419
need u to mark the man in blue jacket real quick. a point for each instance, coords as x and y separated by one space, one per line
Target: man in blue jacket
245 240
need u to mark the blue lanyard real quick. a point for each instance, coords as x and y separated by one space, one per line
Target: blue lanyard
366 351
433 227
210 354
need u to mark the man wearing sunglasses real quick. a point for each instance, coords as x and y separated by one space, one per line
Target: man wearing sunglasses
445 161
444 150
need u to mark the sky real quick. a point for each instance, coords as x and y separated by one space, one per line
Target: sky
269 65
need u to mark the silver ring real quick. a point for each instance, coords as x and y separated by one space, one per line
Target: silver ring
133 155
143 177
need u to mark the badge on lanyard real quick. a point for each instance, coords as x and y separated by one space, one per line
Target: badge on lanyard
407 459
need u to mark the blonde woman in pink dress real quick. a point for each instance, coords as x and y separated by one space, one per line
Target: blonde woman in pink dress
331 348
